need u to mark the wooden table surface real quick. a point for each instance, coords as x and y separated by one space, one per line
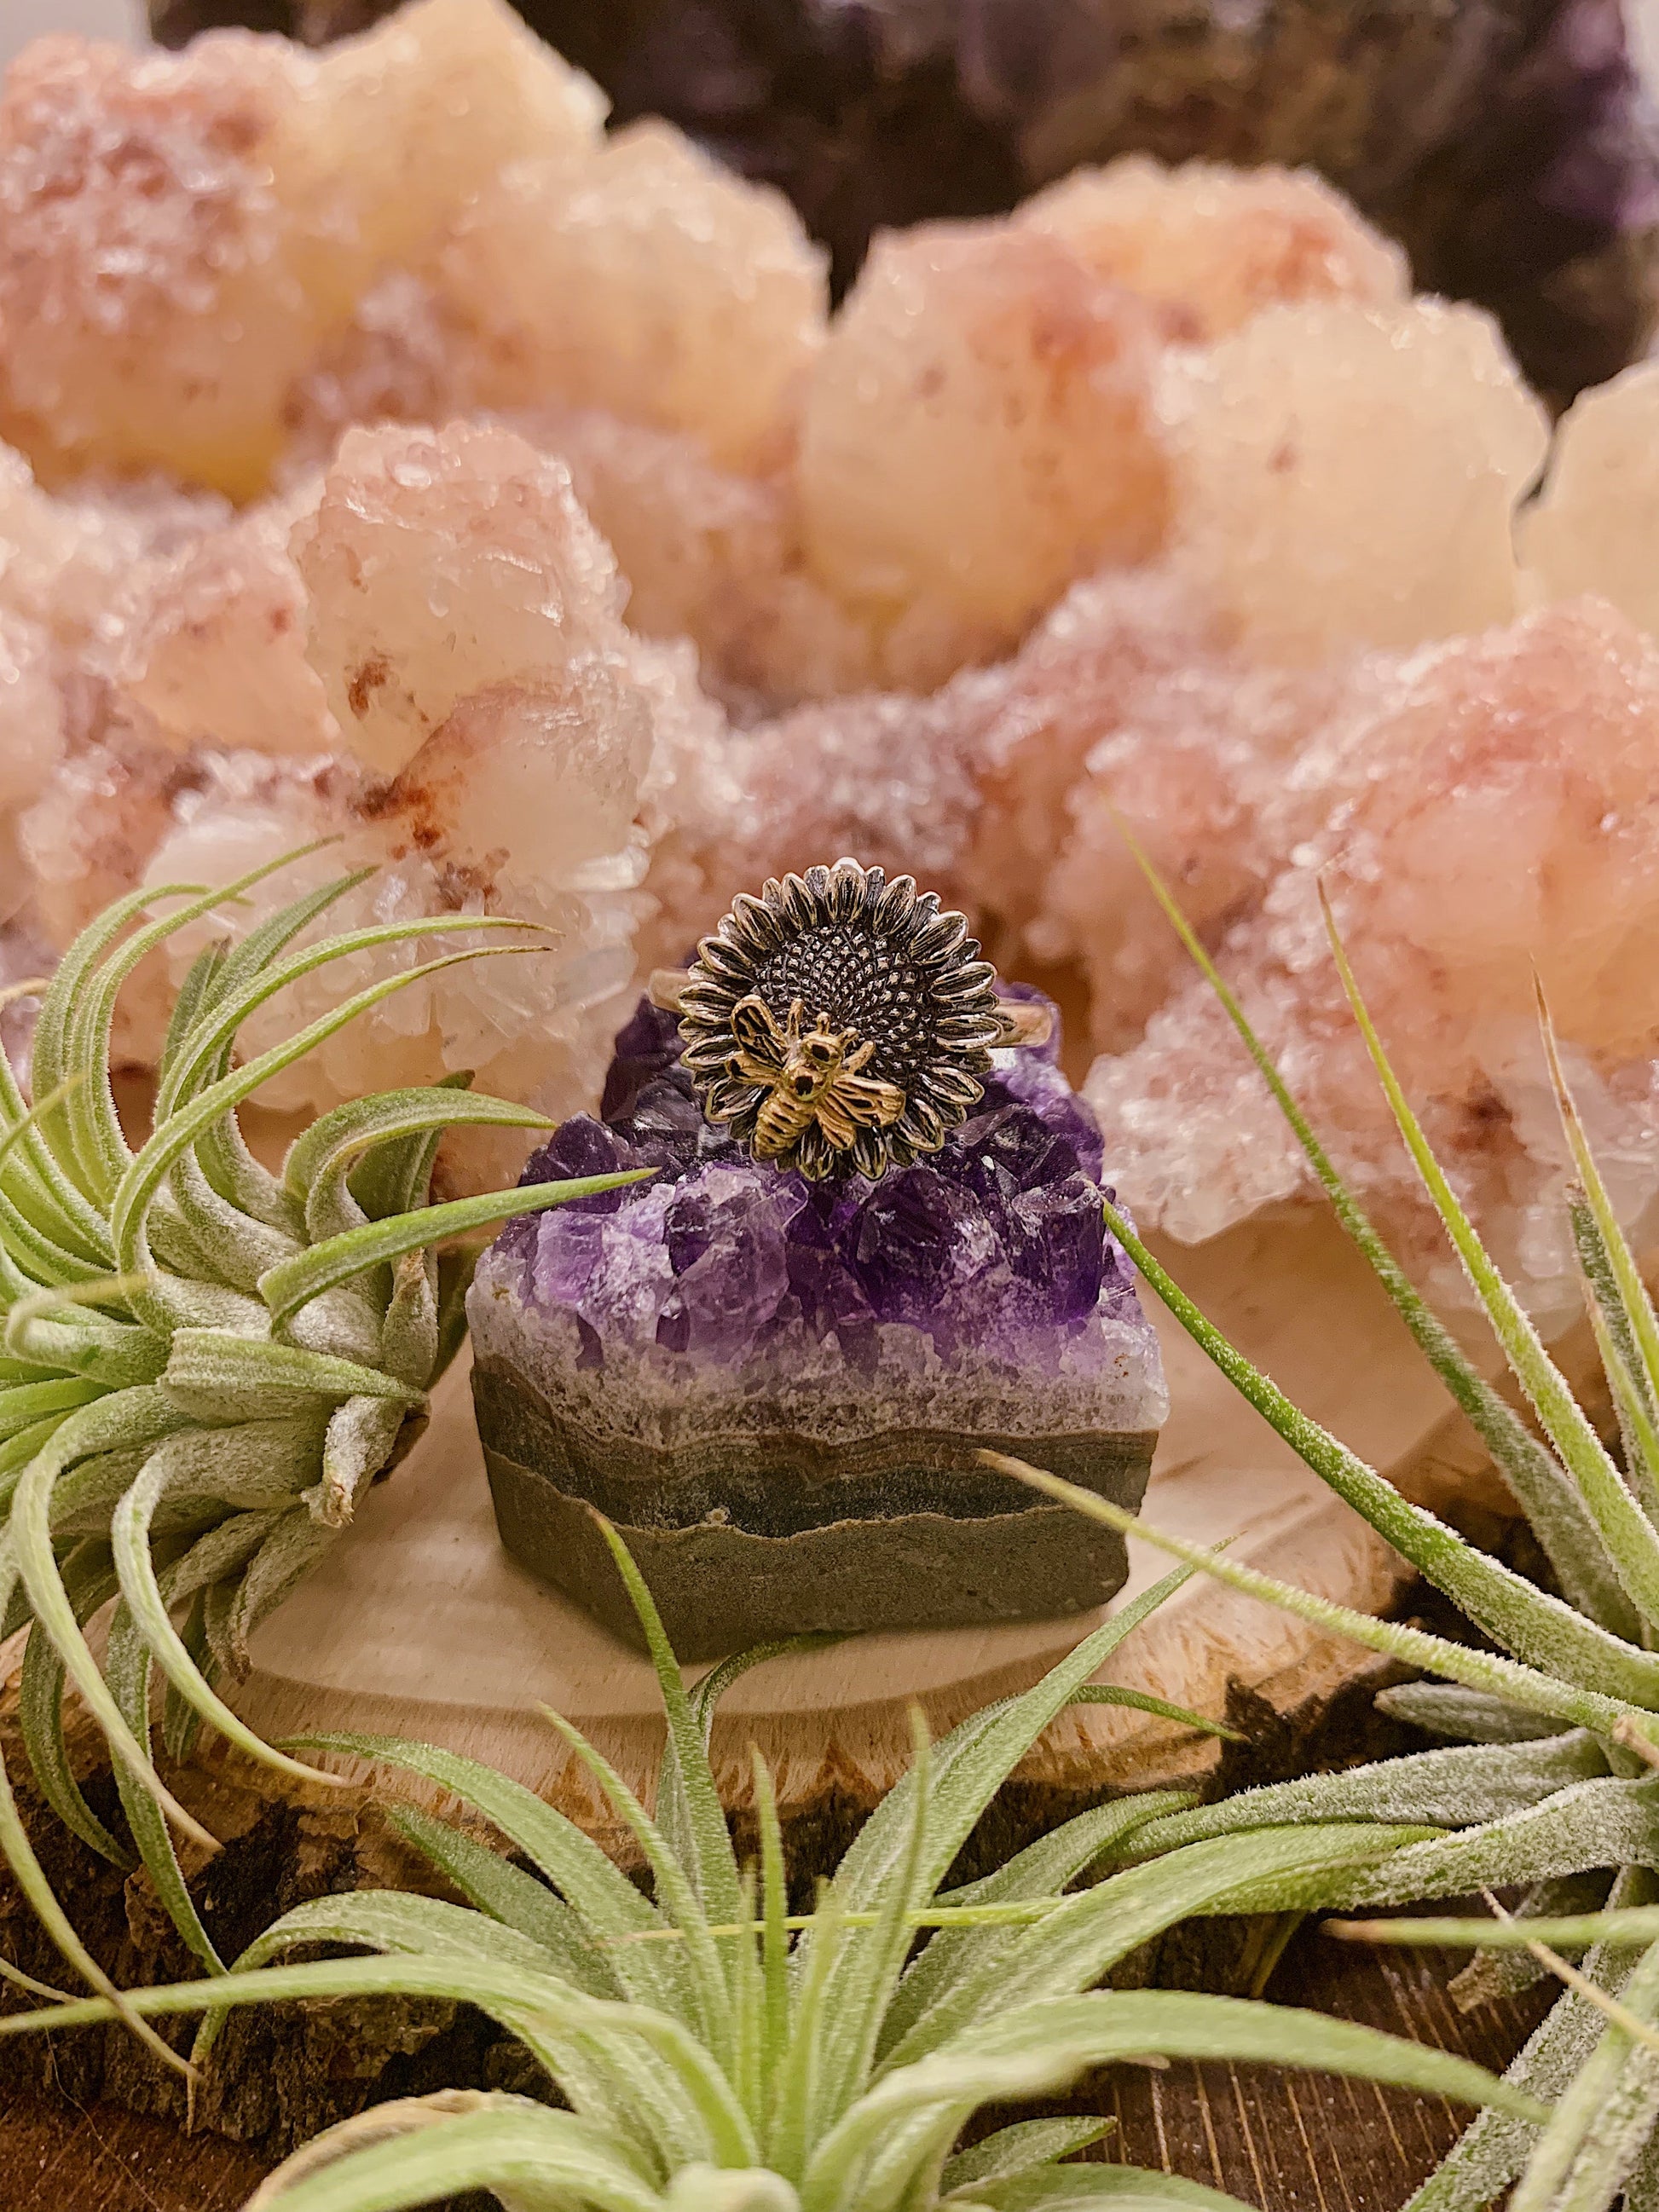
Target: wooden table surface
1299 2143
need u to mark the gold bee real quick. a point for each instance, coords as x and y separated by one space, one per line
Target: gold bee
811 1078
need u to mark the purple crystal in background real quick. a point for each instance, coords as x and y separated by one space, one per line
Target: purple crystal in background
647 1045
989 1254
1507 143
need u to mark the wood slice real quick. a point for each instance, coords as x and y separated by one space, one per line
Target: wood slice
419 1624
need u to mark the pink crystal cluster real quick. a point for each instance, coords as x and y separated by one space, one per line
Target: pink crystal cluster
394 459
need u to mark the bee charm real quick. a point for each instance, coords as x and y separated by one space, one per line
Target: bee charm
809 1079
905 1019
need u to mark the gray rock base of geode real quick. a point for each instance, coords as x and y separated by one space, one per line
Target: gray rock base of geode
750 1537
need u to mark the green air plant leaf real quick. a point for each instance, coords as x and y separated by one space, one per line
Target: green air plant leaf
710 2066
1546 1812
1564 1529
1628 1537
204 1363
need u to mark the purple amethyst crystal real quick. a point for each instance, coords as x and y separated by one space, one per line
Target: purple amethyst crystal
998 1236
647 1046
778 1388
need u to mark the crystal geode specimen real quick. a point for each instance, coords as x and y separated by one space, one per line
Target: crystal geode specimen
776 1388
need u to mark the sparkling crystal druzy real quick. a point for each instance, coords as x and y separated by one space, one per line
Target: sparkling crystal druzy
777 1388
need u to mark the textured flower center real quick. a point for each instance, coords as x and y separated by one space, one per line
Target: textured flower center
852 979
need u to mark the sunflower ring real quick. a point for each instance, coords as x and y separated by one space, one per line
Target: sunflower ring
842 1021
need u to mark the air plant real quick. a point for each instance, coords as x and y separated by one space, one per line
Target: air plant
717 2054
203 1363
1584 1663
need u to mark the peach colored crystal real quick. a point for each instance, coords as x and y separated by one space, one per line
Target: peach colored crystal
1473 808
976 430
31 738
185 628
1596 524
1216 245
406 126
646 280
438 563
1347 475
150 300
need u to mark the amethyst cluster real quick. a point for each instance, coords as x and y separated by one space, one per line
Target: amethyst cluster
778 1389
997 1240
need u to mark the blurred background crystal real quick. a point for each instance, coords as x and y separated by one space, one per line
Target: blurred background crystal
1503 142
